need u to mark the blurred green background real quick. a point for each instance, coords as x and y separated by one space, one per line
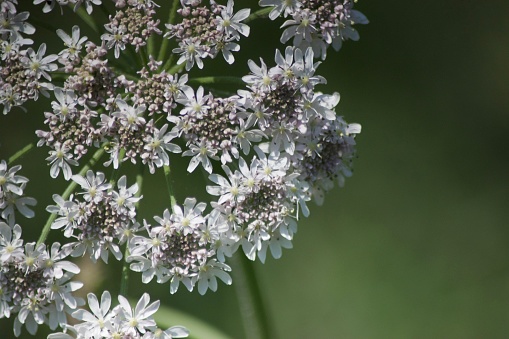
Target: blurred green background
416 244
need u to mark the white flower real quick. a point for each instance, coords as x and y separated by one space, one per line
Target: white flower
271 166
139 318
283 137
244 137
276 243
95 322
260 77
115 38
258 233
180 275
176 87
124 200
15 22
95 186
209 272
231 24
157 146
60 292
285 67
230 190
11 244
226 47
210 232
321 105
68 211
32 313
191 52
251 174
73 43
60 159
21 204
301 29
299 192
195 105
130 117
201 154
305 68
189 219
38 64
34 257
66 104
9 181
55 265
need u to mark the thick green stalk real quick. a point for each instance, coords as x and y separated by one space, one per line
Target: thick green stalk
172 17
252 312
72 185
167 175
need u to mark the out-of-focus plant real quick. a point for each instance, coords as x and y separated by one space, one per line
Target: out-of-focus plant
123 95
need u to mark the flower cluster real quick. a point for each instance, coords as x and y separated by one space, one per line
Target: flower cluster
184 247
317 23
35 282
268 149
11 194
301 124
105 219
122 321
21 68
132 24
206 32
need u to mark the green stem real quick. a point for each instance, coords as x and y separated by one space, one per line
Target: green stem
172 17
105 11
151 45
261 13
82 13
20 153
214 80
43 24
167 175
134 61
143 57
128 76
176 68
252 312
72 185
124 280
